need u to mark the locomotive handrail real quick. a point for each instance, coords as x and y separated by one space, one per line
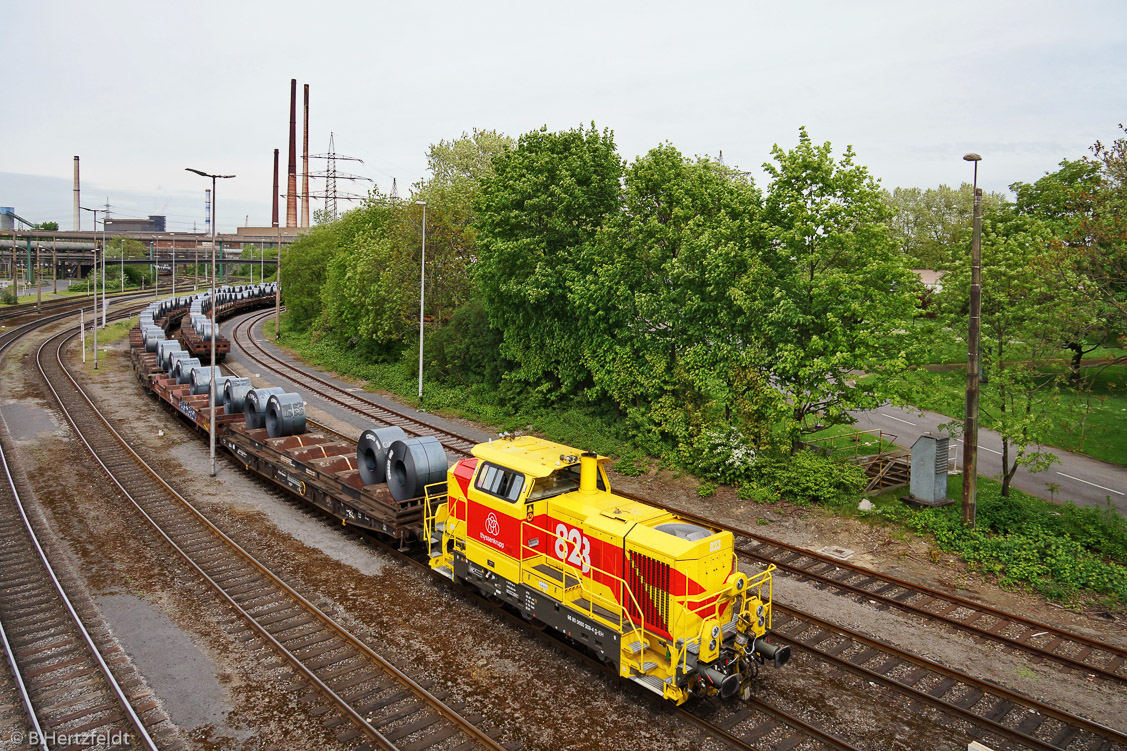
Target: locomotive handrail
591 594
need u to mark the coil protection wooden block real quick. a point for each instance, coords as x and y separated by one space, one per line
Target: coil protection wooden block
371 452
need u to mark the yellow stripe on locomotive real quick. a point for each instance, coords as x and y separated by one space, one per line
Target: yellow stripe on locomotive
534 524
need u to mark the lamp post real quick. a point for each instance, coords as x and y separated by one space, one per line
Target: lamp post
104 304
214 330
95 275
422 296
974 329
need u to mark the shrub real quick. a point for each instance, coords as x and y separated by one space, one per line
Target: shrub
806 478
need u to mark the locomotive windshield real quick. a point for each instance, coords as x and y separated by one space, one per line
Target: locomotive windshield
563 480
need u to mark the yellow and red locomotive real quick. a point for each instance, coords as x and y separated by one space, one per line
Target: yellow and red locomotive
535 524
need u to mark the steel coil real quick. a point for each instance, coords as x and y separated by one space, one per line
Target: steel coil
182 371
151 336
234 394
285 415
413 464
164 349
173 359
371 452
201 379
254 406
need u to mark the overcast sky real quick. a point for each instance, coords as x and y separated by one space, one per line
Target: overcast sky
141 90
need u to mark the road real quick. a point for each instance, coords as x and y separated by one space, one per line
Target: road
1081 479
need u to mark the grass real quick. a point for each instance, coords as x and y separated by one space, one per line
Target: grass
1066 553
846 442
1091 424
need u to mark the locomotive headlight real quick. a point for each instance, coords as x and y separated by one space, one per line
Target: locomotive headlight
715 632
737 581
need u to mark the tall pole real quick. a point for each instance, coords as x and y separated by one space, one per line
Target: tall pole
121 264
214 332
174 267
95 275
974 329
214 329
196 268
54 265
38 284
422 295
103 268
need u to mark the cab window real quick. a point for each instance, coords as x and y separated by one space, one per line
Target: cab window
563 480
500 482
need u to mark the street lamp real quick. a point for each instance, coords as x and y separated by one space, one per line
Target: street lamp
95 236
422 295
974 329
214 330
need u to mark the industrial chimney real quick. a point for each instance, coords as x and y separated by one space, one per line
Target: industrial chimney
77 211
291 182
305 164
274 201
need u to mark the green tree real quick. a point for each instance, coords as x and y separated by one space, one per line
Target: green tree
47 226
457 168
1065 201
670 305
836 293
1027 314
1103 258
535 216
931 225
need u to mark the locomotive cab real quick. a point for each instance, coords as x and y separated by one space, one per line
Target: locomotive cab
535 524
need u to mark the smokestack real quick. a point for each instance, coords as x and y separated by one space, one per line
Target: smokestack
274 202
305 164
291 182
77 211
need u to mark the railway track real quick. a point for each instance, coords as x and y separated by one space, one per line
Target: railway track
1039 640
363 698
350 400
1010 718
65 685
72 305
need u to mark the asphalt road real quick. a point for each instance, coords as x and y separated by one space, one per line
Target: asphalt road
1083 480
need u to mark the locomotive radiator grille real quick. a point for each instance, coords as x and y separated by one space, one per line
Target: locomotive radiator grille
648 580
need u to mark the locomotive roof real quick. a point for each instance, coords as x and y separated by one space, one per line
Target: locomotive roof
533 456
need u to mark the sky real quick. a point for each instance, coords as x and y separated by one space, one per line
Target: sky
141 90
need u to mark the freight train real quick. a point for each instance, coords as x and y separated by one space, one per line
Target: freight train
527 522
